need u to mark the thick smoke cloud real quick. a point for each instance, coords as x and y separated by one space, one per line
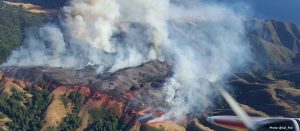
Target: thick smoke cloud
203 42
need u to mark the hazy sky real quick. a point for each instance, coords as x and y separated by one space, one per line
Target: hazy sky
286 10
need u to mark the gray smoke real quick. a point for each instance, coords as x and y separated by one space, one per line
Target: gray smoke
203 41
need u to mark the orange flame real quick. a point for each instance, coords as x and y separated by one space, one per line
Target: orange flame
142 112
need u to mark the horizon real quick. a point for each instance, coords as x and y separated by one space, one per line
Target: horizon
270 9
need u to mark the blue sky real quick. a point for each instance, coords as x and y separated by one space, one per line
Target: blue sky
285 10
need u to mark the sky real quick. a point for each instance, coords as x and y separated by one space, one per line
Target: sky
284 10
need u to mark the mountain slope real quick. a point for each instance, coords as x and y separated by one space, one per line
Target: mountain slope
273 43
86 105
71 103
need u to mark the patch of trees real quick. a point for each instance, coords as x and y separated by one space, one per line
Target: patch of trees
12 22
103 120
26 113
2 115
72 121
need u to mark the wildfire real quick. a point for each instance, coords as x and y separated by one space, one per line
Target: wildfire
129 95
142 112
85 90
152 123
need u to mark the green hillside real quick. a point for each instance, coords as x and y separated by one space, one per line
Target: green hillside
13 21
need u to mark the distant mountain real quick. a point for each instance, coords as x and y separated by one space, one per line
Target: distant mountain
273 43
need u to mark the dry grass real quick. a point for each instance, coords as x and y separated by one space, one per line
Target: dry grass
167 126
56 111
288 104
28 7
8 86
251 110
201 126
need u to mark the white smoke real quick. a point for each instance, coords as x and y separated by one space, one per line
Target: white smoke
92 21
204 42
209 51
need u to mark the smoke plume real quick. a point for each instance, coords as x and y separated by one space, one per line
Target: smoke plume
202 41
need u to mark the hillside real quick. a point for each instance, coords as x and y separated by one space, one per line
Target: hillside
69 99
13 21
274 43
82 101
